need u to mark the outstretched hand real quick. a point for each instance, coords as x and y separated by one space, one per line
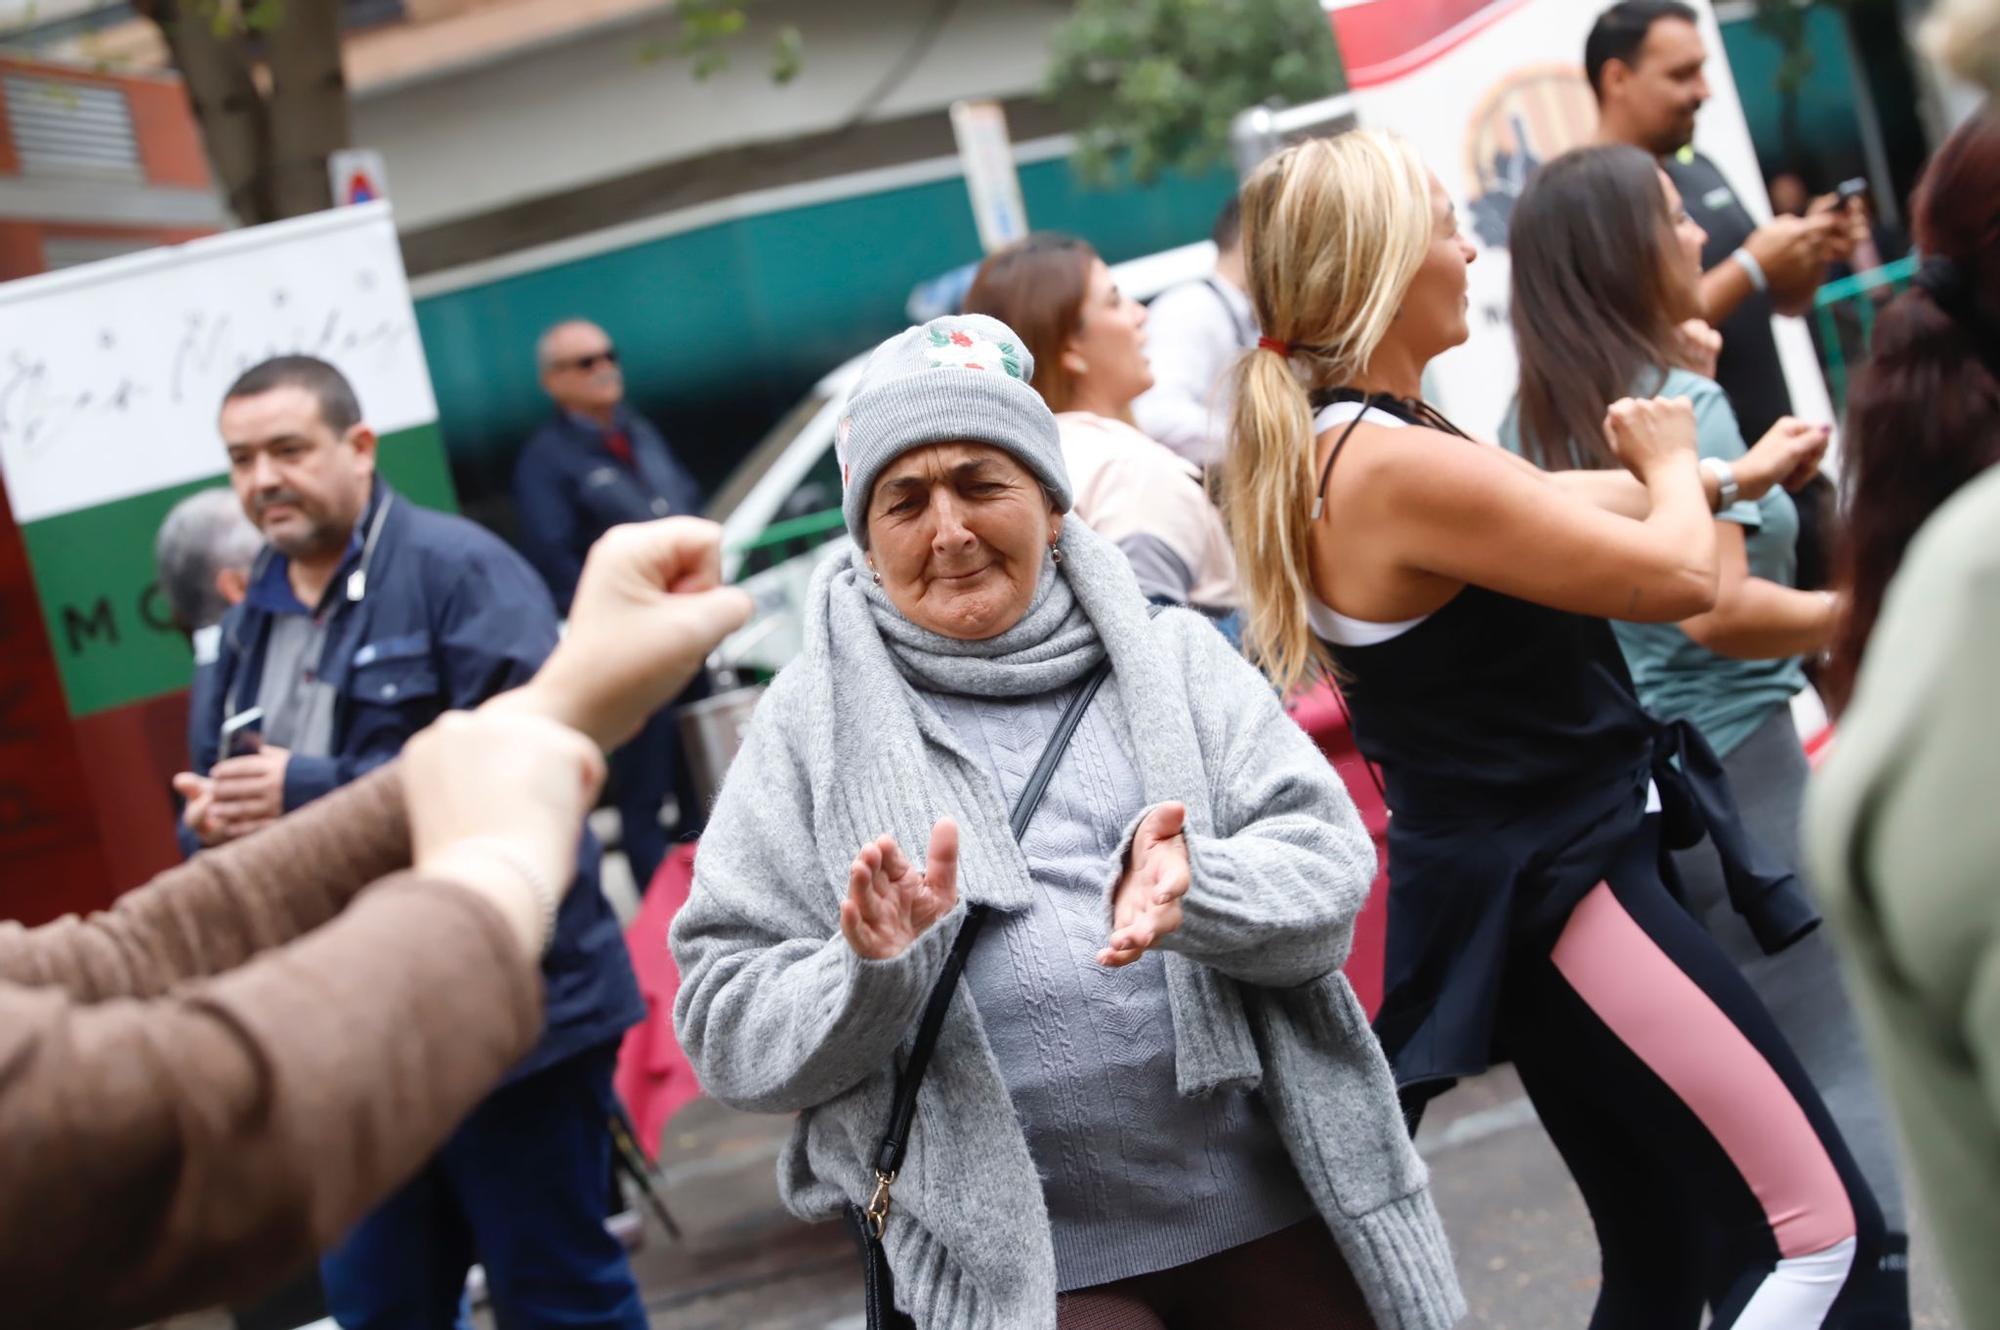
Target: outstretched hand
889 903
1146 903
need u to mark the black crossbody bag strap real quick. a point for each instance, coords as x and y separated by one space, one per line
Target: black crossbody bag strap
881 1313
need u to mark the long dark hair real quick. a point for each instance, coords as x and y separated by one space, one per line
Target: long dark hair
1592 309
1923 414
1037 287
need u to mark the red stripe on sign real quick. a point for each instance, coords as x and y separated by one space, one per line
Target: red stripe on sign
1383 40
50 834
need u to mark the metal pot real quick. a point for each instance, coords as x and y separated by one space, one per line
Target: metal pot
712 733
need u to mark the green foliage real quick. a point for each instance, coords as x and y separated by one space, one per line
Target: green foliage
790 54
1161 79
228 18
264 15
710 29
707 28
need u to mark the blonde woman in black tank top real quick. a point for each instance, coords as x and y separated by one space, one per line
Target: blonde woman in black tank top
1532 796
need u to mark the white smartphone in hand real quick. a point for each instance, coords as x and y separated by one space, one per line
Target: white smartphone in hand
243 733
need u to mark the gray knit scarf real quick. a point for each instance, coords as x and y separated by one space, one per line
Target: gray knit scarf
1054 644
863 658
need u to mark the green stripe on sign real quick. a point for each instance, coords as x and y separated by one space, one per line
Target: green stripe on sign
114 641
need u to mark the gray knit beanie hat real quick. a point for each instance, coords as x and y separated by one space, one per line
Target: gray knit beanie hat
961 377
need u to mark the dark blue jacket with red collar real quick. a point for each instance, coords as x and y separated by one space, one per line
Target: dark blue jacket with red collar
569 489
448 616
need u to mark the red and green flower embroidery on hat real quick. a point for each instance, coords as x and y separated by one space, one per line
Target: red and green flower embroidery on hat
955 348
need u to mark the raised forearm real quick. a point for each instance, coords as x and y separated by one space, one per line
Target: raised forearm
223 906
776 1029
1275 906
1621 492
1277 884
1681 532
1614 491
1723 288
173 1154
1755 619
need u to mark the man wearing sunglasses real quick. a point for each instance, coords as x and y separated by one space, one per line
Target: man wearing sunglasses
594 464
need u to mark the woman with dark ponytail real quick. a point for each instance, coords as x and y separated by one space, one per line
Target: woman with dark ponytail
1606 266
1923 416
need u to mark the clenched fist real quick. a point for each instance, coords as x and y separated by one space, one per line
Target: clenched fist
1650 432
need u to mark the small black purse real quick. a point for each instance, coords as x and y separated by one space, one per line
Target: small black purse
878 1288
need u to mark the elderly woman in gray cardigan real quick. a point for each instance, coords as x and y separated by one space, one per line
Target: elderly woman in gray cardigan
1155 1100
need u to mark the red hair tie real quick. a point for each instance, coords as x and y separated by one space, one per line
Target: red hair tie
1273 344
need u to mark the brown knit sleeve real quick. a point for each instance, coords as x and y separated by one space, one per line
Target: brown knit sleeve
226 904
174 1153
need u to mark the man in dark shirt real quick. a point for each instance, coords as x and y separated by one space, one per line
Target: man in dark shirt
592 465
1644 59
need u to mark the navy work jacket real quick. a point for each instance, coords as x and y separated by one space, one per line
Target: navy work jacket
448 616
569 489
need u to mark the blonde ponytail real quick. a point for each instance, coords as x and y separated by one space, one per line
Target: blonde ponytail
1270 465
1334 231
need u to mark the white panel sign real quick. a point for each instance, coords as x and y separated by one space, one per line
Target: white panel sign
111 374
357 175
990 177
1495 90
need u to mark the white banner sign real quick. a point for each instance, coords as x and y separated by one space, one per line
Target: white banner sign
111 375
990 177
1490 89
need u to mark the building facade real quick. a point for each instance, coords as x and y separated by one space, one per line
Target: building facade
738 236
91 165
95 164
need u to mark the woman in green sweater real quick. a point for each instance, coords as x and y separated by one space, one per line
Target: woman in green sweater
1606 282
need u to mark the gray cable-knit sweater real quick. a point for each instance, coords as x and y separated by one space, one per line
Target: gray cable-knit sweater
778 1014
1136 1177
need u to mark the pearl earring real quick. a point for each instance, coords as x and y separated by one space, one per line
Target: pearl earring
876 574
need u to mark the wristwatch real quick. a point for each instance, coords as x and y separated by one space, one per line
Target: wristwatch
1726 488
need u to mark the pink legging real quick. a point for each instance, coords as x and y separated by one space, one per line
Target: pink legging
1683 1116
1294 1279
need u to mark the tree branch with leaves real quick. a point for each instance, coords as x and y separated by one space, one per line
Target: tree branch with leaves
707 29
1161 80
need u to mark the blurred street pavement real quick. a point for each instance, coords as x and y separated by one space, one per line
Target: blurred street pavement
1525 1250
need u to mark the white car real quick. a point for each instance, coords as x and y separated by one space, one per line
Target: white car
781 506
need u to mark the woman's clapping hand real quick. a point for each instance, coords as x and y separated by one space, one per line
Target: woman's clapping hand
1146 903
889 903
